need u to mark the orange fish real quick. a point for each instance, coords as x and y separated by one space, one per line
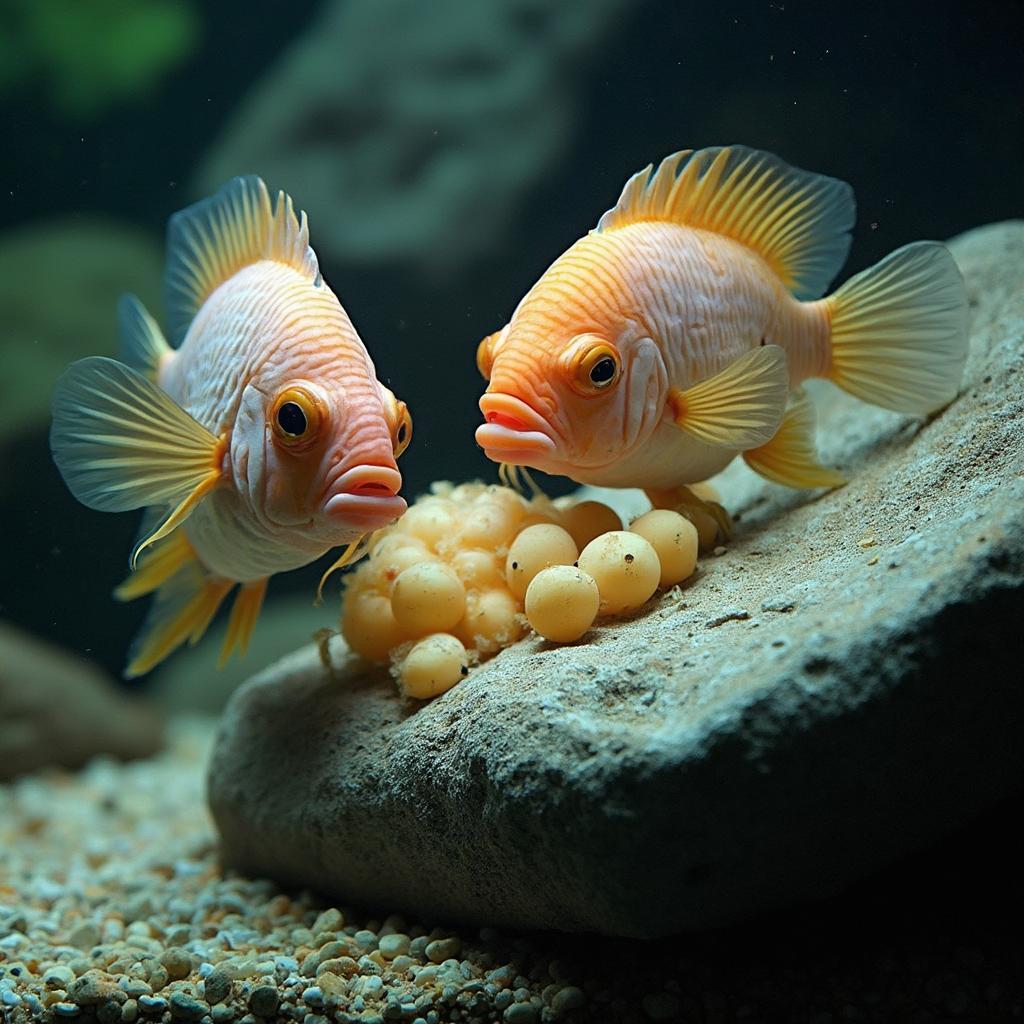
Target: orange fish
259 442
676 334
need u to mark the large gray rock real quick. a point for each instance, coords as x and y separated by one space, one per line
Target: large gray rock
840 687
58 710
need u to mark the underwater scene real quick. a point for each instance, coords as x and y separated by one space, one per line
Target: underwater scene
513 511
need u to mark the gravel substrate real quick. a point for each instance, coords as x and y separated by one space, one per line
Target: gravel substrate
113 908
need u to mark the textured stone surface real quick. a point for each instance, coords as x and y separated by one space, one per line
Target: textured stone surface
388 146
844 684
60 710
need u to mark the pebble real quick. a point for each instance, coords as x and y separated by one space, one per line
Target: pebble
217 985
520 1013
443 949
395 945
59 977
177 962
264 1000
566 999
84 936
313 995
186 1007
330 920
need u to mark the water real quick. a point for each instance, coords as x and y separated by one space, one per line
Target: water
533 113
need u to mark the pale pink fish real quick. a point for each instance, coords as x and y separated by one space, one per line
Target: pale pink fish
258 443
676 334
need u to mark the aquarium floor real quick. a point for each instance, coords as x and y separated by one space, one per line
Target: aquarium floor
113 908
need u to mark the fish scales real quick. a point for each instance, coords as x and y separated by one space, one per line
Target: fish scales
676 334
258 445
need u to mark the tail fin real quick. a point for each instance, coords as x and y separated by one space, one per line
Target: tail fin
900 330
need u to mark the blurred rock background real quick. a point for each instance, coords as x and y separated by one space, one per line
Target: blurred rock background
445 153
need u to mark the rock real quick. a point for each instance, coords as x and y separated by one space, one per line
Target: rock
400 151
670 773
59 285
58 710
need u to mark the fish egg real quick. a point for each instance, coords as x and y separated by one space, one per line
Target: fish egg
434 664
586 520
430 519
625 567
705 524
491 620
464 493
674 539
391 561
428 598
705 492
488 524
536 518
477 568
368 624
562 603
536 548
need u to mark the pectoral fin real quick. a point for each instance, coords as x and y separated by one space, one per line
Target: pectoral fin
789 457
121 443
739 408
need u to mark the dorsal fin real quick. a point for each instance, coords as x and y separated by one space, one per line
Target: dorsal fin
797 221
213 239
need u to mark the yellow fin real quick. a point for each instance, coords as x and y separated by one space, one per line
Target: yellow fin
900 330
352 553
212 240
739 408
182 610
143 347
157 567
789 457
244 613
797 221
121 443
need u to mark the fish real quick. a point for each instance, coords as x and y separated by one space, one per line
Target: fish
677 334
257 438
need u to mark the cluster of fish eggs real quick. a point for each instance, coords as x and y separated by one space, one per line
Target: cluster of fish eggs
469 568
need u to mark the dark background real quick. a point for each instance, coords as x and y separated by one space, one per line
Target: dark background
920 106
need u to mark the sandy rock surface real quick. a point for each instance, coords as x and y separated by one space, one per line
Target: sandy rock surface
840 686
59 710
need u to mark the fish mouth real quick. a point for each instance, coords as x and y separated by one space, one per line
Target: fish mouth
513 432
367 497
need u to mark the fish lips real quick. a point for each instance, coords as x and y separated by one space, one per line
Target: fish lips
366 497
368 512
513 432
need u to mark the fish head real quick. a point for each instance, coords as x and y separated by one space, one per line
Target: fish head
319 453
564 401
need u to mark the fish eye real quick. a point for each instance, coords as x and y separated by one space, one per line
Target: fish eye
291 419
595 368
602 373
403 430
296 417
